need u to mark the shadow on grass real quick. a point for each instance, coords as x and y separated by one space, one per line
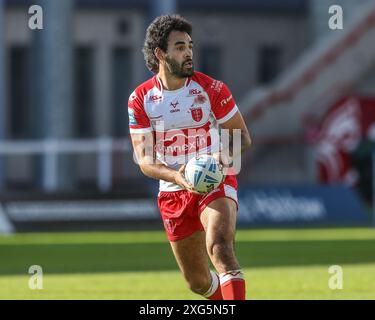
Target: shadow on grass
89 258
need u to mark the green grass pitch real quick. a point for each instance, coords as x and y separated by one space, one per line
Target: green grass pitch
278 264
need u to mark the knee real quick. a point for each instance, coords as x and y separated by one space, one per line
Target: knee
221 244
198 285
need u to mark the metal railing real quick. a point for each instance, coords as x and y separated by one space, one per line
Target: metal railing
51 148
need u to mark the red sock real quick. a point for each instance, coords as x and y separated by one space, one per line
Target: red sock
233 285
217 295
214 292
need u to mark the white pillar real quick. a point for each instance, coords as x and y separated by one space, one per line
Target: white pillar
2 90
56 80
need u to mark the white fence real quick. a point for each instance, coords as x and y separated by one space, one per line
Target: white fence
50 149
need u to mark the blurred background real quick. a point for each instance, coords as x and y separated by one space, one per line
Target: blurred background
307 93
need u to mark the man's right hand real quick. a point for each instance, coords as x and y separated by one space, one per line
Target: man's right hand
180 179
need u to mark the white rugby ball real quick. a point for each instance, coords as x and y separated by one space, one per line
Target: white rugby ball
204 173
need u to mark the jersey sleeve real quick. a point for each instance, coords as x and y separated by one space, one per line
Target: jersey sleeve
223 105
139 122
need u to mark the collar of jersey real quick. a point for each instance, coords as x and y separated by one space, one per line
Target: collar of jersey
167 92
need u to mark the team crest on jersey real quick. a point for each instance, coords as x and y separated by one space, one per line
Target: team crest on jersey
196 114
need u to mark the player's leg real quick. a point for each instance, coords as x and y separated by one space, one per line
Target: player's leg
192 258
179 211
219 221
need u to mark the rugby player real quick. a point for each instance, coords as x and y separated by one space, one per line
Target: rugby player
175 114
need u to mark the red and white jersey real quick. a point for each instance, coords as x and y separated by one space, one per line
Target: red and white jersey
184 122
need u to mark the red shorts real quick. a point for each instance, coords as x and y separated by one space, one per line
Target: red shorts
181 210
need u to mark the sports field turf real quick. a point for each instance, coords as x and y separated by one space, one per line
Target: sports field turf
279 264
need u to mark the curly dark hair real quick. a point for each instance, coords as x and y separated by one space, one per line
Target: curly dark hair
157 37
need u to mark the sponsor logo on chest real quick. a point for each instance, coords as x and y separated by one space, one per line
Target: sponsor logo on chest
194 92
174 107
155 98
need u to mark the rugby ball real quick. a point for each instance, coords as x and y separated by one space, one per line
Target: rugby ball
204 173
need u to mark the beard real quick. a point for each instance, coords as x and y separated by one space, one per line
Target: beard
179 70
